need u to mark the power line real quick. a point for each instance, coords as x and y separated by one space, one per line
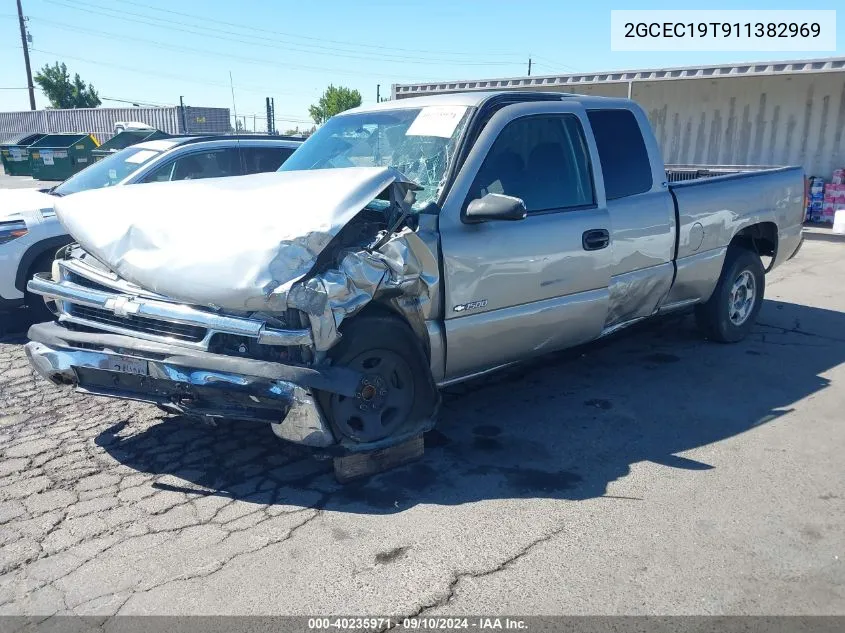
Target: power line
63 26
550 63
304 37
138 102
158 74
180 78
253 39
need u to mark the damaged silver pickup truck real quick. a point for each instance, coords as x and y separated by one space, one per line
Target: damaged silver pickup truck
405 246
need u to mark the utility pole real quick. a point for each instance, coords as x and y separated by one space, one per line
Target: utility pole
529 66
25 45
182 113
378 93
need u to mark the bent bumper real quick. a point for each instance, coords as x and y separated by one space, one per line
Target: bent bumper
190 382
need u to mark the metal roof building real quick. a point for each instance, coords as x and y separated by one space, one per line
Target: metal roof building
100 121
784 112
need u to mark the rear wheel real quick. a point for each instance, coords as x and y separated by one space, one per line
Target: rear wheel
395 388
731 311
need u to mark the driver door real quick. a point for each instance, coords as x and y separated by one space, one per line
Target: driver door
519 288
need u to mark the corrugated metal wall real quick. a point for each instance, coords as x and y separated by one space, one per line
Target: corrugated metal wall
100 121
774 120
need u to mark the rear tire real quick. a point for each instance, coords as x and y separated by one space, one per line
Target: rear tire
37 307
730 313
396 388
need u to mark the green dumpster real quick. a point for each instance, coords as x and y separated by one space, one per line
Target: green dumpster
124 140
60 156
15 155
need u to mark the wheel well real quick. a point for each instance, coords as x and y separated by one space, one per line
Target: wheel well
35 254
761 238
376 309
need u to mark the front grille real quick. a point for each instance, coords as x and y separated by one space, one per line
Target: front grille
84 281
179 331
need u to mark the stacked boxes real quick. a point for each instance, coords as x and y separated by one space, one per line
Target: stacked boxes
834 197
815 203
826 199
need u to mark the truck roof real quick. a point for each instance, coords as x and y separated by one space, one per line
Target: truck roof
476 98
165 144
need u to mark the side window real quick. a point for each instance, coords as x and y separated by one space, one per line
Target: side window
162 174
263 159
544 160
622 152
216 163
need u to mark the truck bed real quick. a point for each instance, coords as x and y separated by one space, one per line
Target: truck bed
714 203
683 172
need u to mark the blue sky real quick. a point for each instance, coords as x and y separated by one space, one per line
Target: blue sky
153 51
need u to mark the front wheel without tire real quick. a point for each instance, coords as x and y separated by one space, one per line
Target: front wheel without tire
731 311
394 390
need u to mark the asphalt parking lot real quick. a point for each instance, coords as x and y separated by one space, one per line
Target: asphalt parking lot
23 182
656 473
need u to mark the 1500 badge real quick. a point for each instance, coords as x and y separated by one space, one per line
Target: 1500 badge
472 305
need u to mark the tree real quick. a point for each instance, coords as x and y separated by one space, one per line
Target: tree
63 92
334 101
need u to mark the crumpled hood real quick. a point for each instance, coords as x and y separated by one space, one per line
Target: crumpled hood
226 242
23 202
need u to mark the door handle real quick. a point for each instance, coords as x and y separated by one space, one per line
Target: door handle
595 239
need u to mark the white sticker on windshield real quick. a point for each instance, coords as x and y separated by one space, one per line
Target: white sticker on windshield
436 121
141 156
112 174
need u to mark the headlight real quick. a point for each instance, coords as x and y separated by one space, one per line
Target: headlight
12 230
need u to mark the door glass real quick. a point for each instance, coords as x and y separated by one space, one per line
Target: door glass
624 159
258 160
217 163
544 160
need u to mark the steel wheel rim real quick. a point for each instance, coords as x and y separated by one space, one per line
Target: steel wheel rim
383 400
742 298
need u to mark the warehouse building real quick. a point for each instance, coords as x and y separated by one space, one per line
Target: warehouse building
761 113
100 121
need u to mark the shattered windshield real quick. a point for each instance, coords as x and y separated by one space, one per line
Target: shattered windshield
107 172
419 142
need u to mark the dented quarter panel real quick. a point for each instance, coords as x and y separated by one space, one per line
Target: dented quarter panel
637 294
724 205
713 210
696 277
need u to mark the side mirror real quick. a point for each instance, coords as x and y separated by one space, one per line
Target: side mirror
495 206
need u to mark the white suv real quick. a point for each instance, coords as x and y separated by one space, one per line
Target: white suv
30 233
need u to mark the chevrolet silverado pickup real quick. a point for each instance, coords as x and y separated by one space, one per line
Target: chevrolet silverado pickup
405 246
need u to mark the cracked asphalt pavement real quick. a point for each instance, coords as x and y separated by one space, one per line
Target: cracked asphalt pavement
654 473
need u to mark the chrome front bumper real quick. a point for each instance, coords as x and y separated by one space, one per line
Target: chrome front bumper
194 383
123 305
